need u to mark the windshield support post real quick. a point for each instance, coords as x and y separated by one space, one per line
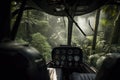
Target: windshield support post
70 28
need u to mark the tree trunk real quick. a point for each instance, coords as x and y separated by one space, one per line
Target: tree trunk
116 31
95 31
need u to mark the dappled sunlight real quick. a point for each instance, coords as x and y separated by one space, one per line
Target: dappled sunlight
84 24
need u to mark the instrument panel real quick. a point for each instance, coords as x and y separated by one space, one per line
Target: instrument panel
67 57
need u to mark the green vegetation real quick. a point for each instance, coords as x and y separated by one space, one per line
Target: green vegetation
38 30
45 32
40 43
108 38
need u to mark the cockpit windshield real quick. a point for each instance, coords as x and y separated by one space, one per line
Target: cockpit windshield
100 34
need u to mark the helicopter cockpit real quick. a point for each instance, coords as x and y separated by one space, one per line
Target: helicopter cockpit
58 20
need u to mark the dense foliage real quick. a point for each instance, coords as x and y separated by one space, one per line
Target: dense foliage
45 32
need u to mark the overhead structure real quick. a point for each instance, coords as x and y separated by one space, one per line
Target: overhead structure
58 7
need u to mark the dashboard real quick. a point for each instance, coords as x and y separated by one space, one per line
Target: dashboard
67 57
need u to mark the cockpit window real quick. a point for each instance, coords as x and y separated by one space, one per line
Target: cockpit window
44 32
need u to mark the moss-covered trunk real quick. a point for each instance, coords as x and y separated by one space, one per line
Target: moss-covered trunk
116 31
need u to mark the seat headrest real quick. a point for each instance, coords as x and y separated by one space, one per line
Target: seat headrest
110 69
